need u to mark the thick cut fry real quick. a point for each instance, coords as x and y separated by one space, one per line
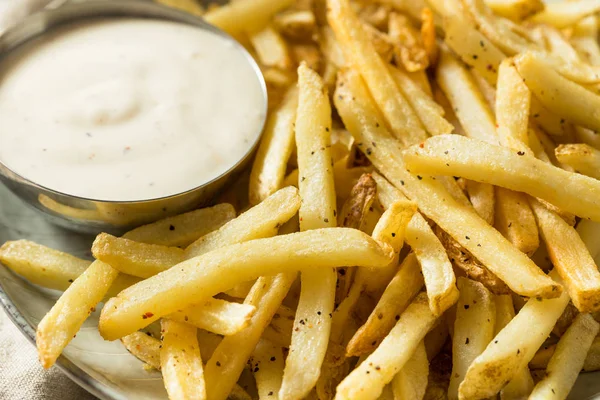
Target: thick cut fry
64 319
558 94
378 369
183 229
591 363
473 48
276 145
271 49
511 350
483 199
180 362
396 297
144 347
245 16
565 14
216 315
42 265
567 360
513 101
473 329
484 242
515 220
472 159
263 220
221 269
231 355
401 118
571 258
466 99
429 112
409 49
267 365
318 210
516 10
410 383
583 158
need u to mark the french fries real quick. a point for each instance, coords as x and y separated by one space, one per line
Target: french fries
513 102
180 362
568 359
583 158
271 49
409 48
267 365
410 382
472 159
144 347
516 10
243 16
516 221
564 14
482 197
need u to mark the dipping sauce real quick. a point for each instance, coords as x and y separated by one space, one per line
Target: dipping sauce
127 109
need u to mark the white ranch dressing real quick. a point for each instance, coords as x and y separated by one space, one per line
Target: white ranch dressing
127 109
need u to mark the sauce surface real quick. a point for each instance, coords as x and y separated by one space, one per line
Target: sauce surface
127 109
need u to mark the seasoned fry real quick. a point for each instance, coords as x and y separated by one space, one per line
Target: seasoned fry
378 369
245 16
410 383
484 242
145 302
513 101
582 158
568 359
144 347
401 118
482 197
515 220
381 42
267 364
472 159
180 362
558 94
473 329
564 14
270 163
410 51
570 258
318 210
592 360
394 300
510 350
517 10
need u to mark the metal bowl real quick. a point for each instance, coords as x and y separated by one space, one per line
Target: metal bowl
92 215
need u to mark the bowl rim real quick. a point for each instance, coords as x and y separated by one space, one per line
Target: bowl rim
45 20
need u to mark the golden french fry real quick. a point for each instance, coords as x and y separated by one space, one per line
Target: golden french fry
410 382
568 359
378 369
144 347
245 16
591 363
410 50
551 123
428 35
511 350
583 158
401 118
318 210
514 219
394 300
180 362
221 269
183 229
588 232
570 257
584 39
267 365
517 10
473 329
488 245
381 42
276 145
296 24
271 49
513 101
483 199
564 14
558 94
473 159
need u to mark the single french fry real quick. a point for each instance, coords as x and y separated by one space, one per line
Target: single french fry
436 339
589 233
276 145
231 355
378 369
558 94
483 199
473 329
267 365
473 159
429 112
591 363
183 229
144 347
403 122
562 15
318 210
428 35
513 101
511 350
180 362
583 158
410 383
296 24
516 10
271 49
567 360
245 16
550 122
488 245
571 258
514 219
397 296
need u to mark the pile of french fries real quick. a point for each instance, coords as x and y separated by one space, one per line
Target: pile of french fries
420 221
